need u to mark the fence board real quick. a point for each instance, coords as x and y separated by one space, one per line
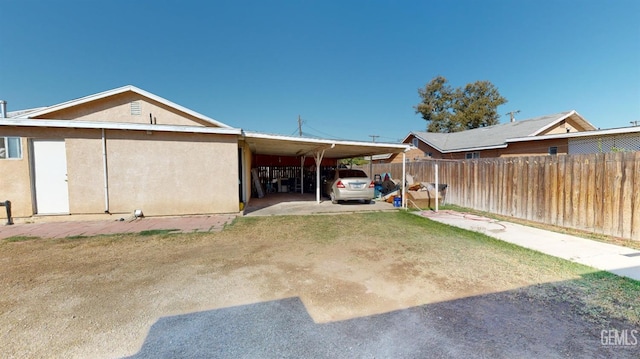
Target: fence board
635 203
553 191
625 202
598 222
590 187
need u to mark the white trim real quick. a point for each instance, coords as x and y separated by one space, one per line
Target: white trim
555 122
117 126
612 131
117 91
266 136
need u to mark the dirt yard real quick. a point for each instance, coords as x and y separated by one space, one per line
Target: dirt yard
98 297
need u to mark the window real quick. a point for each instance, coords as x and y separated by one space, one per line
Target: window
10 147
471 155
414 142
553 150
428 154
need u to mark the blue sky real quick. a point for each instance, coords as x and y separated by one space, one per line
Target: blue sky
350 69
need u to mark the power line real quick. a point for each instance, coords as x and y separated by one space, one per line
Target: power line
512 114
373 137
324 133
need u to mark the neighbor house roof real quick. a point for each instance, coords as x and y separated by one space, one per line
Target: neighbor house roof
44 111
496 136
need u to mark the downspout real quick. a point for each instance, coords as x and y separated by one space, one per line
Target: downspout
105 172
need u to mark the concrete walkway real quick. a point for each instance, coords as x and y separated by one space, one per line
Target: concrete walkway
62 229
619 260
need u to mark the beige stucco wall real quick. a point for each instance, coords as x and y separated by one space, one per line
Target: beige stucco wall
118 109
14 183
168 173
160 173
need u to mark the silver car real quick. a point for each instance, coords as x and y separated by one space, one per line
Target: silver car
349 185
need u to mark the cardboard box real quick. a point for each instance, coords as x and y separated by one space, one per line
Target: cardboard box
422 199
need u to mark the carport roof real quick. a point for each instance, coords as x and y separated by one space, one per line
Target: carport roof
279 145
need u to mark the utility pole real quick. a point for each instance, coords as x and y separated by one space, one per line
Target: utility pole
512 114
299 126
373 137
634 123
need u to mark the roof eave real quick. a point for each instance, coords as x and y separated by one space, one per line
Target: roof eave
49 123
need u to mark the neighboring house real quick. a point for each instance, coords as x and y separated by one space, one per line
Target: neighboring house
127 149
537 136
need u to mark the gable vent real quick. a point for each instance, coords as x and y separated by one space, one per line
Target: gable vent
136 109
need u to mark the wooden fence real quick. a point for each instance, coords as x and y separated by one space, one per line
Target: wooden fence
599 193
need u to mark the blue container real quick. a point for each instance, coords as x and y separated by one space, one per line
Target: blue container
377 190
397 201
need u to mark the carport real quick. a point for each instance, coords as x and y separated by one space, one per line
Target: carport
318 149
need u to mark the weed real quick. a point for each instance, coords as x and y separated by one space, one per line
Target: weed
20 239
153 232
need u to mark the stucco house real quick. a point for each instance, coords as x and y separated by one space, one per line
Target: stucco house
536 136
127 149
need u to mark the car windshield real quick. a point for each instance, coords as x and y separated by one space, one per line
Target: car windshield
351 173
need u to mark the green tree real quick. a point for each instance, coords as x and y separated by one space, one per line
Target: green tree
452 110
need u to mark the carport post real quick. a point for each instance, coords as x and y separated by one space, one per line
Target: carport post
302 174
404 180
318 157
437 187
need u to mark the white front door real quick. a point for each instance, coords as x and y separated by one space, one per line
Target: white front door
50 167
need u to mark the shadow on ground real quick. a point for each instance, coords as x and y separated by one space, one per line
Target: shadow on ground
508 324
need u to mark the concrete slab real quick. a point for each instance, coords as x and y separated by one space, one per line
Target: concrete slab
280 204
619 260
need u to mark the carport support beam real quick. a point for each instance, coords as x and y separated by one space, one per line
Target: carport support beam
404 180
302 174
317 156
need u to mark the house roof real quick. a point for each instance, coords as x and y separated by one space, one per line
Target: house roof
44 111
260 143
496 136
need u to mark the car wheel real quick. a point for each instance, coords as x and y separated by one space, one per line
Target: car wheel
367 201
333 198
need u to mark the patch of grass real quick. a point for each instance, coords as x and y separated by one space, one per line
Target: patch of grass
77 237
153 232
20 239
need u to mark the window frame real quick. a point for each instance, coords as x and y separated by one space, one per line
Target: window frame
6 148
472 155
553 150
